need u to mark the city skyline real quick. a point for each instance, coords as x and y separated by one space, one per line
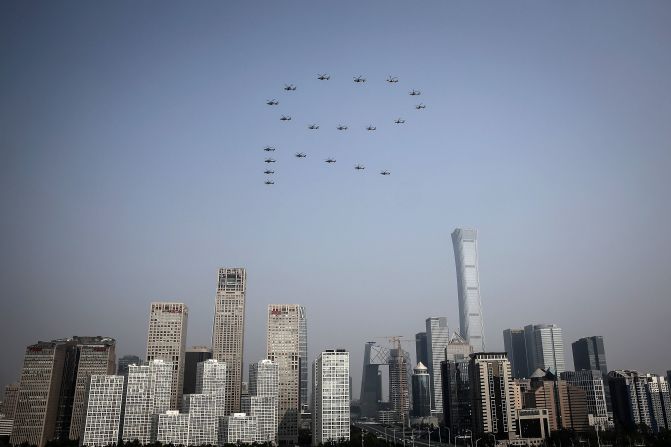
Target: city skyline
546 131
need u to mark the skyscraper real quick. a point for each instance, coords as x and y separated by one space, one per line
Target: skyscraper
166 340
515 347
211 380
261 402
331 413
399 396
591 382
238 428
421 391
37 404
192 357
640 399
545 348
52 393
421 348
437 338
457 348
492 394
457 395
589 354
371 379
471 324
9 399
103 411
228 330
284 348
148 393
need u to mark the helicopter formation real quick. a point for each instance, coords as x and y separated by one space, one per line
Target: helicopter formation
359 79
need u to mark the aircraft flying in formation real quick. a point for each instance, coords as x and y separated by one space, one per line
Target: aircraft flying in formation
269 149
272 102
415 93
359 167
300 155
371 127
392 80
313 126
269 160
420 106
289 87
329 160
270 182
399 121
385 172
268 172
285 118
323 77
341 127
359 79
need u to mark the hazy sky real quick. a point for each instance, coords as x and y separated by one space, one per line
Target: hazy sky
131 168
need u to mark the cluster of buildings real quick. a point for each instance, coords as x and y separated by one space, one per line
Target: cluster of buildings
519 396
74 388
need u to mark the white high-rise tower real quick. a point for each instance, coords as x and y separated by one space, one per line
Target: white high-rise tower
437 339
471 324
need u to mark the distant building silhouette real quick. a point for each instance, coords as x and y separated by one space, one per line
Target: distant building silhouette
515 346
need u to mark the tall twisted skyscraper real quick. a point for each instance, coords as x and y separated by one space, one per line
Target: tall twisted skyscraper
471 325
228 331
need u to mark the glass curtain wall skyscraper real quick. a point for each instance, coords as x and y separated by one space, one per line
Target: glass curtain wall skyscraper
471 324
437 338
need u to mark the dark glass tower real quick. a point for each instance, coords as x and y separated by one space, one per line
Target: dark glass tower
513 342
456 395
122 365
421 391
589 353
192 357
421 348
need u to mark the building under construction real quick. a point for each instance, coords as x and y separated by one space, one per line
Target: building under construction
398 362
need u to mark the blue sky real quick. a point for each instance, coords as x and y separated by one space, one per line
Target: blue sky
131 140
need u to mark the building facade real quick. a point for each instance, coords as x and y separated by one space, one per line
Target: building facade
261 402
102 411
515 346
421 391
457 396
331 410
437 338
173 428
124 362
399 395
471 323
639 399
238 428
591 382
211 380
492 395
166 340
192 357
545 348
589 354
229 329
8 407
421 348
284 348
148 394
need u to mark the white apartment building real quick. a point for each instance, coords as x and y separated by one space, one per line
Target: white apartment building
331 413
102 410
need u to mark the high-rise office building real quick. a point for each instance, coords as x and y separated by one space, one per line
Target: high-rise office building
124 362
192 357
229 329
52 392
492 395
545 348
421 391
238 428
203 421
457 395
103 411
421 348
566 404
37 403
211 381
471 323
591 382
331 412
639 399
166 341
95 355
457 348
371 378
261 402
9 399
437 338
284 348
148 393
515 346
399 396
173 428
589 354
